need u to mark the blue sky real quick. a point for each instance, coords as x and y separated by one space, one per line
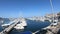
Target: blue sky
27 8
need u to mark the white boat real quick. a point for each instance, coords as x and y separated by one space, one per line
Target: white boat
4 25
19 26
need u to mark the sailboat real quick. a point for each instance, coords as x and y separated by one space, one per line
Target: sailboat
54 21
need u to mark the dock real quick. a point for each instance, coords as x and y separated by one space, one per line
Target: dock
53 29
15 24
8 29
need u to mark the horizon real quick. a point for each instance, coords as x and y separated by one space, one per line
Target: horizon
27 8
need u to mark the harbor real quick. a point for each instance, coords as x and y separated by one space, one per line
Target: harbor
31 25
29 17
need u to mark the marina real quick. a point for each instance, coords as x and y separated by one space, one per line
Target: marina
29 17
27 25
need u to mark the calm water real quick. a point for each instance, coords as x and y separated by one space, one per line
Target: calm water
32 26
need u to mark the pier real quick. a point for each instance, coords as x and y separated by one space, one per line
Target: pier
51 29
15 24
8 29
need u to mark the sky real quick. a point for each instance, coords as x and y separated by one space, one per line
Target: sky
27 8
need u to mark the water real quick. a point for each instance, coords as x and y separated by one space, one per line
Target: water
6 20
1 28
32 26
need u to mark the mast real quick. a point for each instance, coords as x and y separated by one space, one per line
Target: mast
52 9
